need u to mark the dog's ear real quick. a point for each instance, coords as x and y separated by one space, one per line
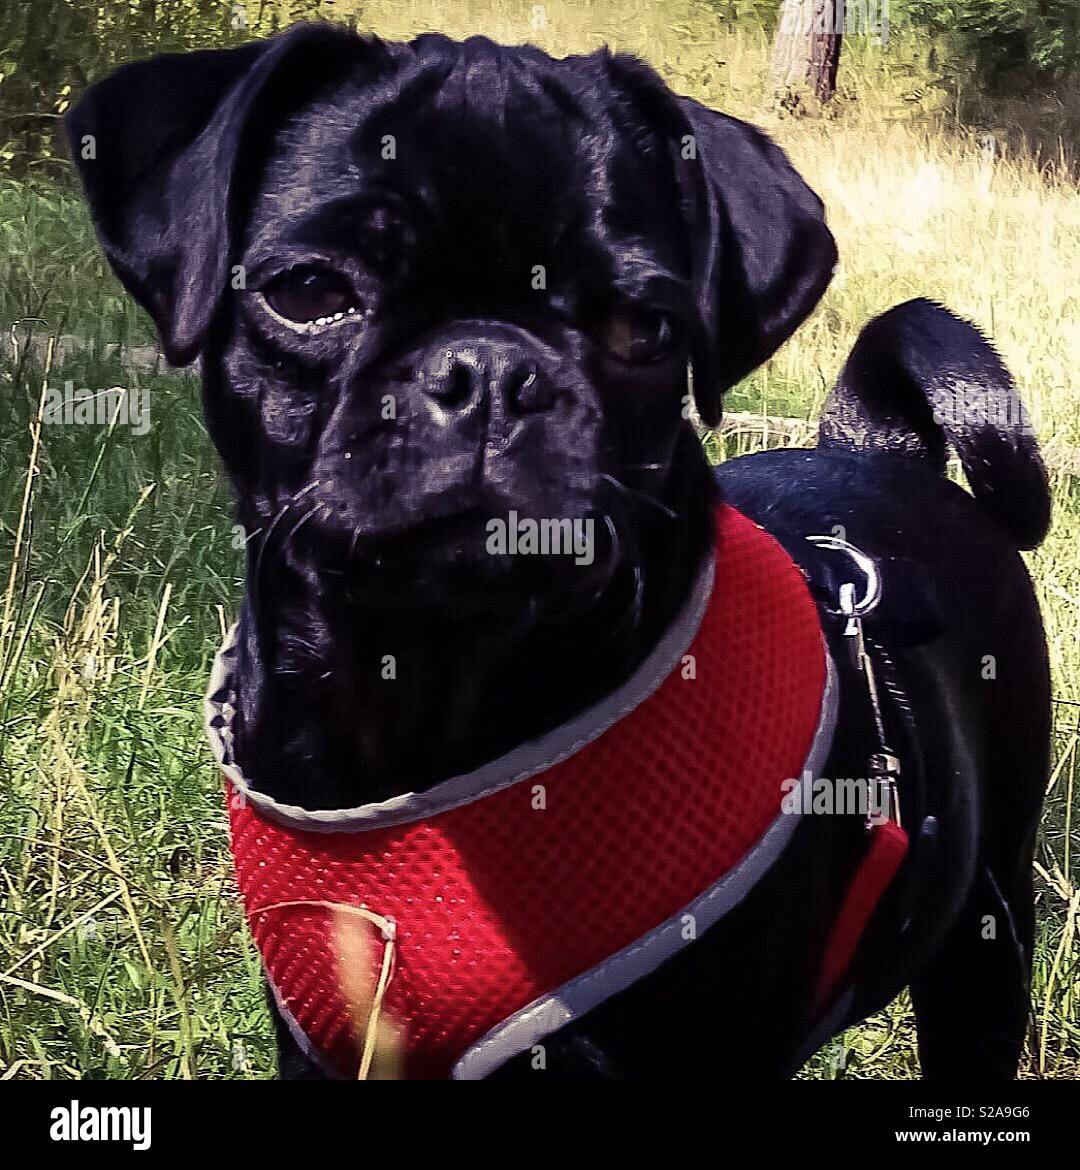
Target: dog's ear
767 255
158 146
761 253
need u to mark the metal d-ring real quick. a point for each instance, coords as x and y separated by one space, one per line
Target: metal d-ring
865 564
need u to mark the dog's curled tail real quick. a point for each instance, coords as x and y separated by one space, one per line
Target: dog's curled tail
919 378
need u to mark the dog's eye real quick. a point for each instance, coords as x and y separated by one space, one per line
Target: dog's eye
309 294
637 335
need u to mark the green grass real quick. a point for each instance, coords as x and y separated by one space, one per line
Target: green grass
122 949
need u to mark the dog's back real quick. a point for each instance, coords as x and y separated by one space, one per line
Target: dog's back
959 619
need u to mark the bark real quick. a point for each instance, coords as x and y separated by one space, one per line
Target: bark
806 49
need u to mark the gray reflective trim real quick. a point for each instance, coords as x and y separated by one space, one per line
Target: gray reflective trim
299 1035
826 1028
571 1001
536 756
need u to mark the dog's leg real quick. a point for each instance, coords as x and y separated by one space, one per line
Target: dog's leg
972 1002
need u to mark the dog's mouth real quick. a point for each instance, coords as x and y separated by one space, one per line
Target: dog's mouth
468 556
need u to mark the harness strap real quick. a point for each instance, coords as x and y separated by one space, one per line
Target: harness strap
663 806
885 854
887 842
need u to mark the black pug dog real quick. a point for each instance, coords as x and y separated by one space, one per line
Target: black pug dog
522 258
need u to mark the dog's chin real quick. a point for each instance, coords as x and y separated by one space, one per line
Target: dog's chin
470 563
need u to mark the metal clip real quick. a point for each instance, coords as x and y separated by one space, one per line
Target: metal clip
883 767
866 565
853 631
884 797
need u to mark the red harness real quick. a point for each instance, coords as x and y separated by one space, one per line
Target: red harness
513 900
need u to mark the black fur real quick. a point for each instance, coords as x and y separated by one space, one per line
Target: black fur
366 532
920 379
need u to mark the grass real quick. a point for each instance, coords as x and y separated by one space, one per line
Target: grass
122 950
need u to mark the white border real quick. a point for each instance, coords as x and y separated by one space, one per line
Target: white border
549 1013
555 1010
524 761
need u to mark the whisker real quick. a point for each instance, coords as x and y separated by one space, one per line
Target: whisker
300 523
639 596
353 543
613 532
631 620
257 574
284 545
283 511
635 493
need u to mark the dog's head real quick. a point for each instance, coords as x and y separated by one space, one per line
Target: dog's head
435 284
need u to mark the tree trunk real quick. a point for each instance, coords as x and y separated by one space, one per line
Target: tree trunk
806 50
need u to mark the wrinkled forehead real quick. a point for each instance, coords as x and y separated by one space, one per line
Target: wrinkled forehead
482 151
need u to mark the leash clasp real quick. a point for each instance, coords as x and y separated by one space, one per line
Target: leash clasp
883 766
866 565
884 792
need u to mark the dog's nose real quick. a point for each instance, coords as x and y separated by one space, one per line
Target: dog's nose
459 376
